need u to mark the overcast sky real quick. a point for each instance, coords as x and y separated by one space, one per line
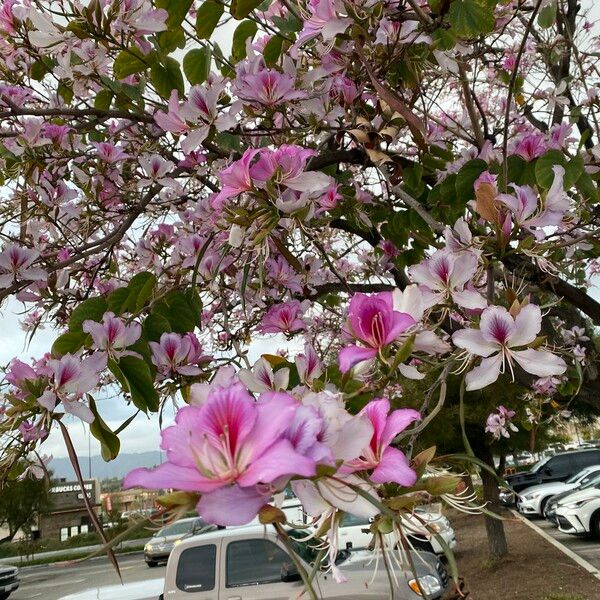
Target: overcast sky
143 433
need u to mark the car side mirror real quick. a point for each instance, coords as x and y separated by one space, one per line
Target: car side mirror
289 573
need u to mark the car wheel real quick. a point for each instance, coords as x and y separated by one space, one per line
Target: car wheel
151 563
4 595
595 524
543 506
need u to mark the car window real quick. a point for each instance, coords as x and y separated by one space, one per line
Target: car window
562 463
253 562
352 521
538 465
196 569
591 476
175 529
586 459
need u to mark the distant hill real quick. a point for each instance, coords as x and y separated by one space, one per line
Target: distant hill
101 469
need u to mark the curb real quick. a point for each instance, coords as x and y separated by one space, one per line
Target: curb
590 568
71 560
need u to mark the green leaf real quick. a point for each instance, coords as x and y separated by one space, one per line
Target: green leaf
245 30
171 39
470 18
196 65
167 77
136 379
272 50
132 60
109 442
547 16
544 173
465 179
443 39
242 8
68 343
103 99
288 25
177 10
207 18
133 297
155 325
181 310
92 309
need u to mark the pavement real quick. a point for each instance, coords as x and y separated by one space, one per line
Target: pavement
54 582
80 549
586 547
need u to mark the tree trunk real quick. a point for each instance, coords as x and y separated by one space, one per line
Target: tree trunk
501 465
494 527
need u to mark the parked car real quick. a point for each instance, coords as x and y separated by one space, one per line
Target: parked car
354 532
580 512
160 545
252 563
532 500
554 468
9 581
552 504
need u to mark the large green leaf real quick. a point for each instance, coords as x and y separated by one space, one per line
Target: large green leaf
109 442
133 297
132 60
242 8
196 65
207 18
135 377
167 77
272 50
92 309
245 30
466 177
155 325
68 343
181 310
544 172
470 18
177 10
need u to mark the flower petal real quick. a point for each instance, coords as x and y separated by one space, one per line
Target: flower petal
487 372
354 435
469 299
396 422
473 341
540 362
167 476
394 467
231 505
352 355
529 323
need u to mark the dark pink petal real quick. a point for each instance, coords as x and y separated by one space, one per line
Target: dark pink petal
394 467
278 461
377 412
352 355
167 476
231 505
398 421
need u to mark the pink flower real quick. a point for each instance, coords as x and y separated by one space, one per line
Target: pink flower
261 377
112 335
70 379
267 87
15 264
308 365
445 275
499 332
31 433
531 146
284 318
389 463
235 178
110 153
373 321
286 167
230 449
323 21
499 423
174 353
329 200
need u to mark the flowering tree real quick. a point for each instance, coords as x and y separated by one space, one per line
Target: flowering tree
398 189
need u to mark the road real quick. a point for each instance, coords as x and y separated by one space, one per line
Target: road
586 547
53 582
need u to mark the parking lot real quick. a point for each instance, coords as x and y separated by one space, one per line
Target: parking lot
52 582
584 546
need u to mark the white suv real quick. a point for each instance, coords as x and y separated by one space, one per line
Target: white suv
579 512
533 500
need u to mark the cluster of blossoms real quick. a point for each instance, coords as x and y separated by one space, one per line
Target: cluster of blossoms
237 451
500 424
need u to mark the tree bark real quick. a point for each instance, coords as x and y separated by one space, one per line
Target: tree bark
494 527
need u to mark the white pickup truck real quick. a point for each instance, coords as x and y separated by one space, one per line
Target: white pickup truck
252 563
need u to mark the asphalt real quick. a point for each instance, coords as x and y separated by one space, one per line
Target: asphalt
586 547
54 582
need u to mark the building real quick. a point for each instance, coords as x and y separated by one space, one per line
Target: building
69 515
127 502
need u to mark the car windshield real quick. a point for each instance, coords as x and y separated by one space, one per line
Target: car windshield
178 528
307 550
539 464
595 480
575 478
